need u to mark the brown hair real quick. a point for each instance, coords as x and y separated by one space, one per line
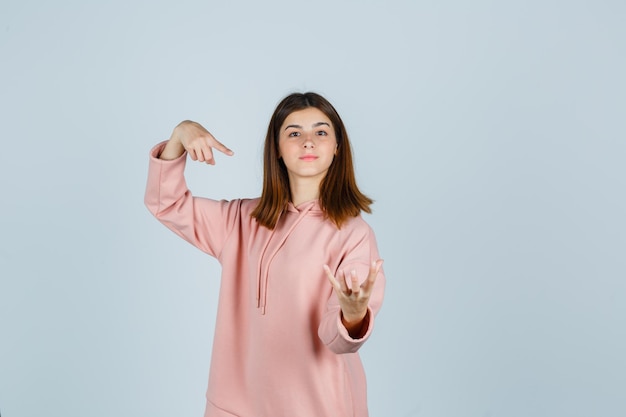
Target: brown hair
340 197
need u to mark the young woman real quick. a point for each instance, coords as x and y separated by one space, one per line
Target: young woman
301 275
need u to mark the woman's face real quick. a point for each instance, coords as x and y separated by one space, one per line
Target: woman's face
307 145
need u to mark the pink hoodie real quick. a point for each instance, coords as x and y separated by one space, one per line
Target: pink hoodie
279 347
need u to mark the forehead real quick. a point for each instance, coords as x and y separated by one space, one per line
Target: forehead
306 117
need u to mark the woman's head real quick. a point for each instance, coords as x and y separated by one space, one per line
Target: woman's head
307 146
339 196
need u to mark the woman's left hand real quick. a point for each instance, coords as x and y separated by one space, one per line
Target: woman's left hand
354 299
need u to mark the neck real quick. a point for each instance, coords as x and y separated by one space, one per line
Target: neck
303 190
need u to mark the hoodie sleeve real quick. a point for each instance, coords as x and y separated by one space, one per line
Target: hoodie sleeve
359 250
202 222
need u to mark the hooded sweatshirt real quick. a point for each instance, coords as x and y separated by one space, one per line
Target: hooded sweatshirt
279 349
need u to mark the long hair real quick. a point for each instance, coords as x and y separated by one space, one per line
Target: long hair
339 196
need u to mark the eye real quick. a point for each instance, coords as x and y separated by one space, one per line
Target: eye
294 134
322 133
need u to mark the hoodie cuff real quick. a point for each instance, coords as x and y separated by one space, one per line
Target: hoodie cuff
155 152
343 342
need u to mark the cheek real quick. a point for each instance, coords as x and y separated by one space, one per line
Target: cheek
332 148
281 149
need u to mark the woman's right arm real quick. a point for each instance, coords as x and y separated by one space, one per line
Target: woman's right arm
202 222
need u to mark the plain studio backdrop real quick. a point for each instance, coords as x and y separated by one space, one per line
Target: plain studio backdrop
492 136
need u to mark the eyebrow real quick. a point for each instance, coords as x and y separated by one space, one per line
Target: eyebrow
314 125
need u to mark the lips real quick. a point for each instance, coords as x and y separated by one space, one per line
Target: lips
308 158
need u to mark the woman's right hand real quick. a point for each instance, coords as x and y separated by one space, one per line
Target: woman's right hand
196 140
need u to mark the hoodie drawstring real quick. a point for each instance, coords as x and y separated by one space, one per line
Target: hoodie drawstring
264 267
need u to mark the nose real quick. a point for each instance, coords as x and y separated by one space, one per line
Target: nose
308 142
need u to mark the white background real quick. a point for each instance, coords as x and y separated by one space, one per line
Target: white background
492 136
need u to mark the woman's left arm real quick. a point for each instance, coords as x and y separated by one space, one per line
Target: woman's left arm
354 300
357 287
